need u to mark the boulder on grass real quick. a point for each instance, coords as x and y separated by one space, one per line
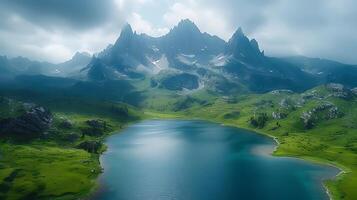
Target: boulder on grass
65 123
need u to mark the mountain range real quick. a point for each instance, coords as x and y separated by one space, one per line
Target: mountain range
11 67
58 115
186 59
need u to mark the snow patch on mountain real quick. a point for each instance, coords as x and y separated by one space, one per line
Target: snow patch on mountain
220 60
160 64
187 59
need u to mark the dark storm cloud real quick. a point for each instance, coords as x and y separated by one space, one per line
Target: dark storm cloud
242 13
318 28
75 13
54 29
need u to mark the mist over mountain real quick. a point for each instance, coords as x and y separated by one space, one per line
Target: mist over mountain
73 66
23 66
210 62
327 71
76 74
186 38
12 67
186 59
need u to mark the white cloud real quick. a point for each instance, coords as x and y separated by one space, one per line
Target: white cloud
207 20
142 26
319 28
54 45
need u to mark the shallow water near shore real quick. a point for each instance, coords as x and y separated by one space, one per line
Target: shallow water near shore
184 160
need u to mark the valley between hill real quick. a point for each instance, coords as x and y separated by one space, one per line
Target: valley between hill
55 117
318 125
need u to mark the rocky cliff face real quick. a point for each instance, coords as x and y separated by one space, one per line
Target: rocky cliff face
244 49
32 123
185 49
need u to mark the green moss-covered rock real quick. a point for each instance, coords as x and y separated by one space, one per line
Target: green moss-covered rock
91 146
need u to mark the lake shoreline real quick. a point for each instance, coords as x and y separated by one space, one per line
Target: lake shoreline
310 159
276 147
343 170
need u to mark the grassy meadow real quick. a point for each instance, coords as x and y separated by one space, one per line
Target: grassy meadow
55 168
330 141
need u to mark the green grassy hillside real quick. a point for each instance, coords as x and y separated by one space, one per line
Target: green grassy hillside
331 139
62 163
318 125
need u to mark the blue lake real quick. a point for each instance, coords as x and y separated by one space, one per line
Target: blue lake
197 160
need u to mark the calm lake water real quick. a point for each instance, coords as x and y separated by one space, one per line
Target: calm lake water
196 160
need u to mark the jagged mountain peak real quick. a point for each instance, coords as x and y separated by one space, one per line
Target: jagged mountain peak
127 30
239 33
254 44
186 26
238 36
125 35
79 55
186 38
187 23
240 46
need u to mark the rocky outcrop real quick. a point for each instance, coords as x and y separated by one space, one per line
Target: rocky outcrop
324 111
339 91
354 91
96 127
281 92
90 146
180 82
288 103
311 95
65 123
32 123
307 119
335 86
97 123
279 115
333 90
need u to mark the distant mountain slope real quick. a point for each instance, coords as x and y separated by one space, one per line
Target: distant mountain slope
327 71
22 66
12 67
5 69
244 61
45 88
73 66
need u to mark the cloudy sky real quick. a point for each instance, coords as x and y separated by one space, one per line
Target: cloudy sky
53 30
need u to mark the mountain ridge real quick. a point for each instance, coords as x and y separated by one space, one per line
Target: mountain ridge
186 50
209 62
